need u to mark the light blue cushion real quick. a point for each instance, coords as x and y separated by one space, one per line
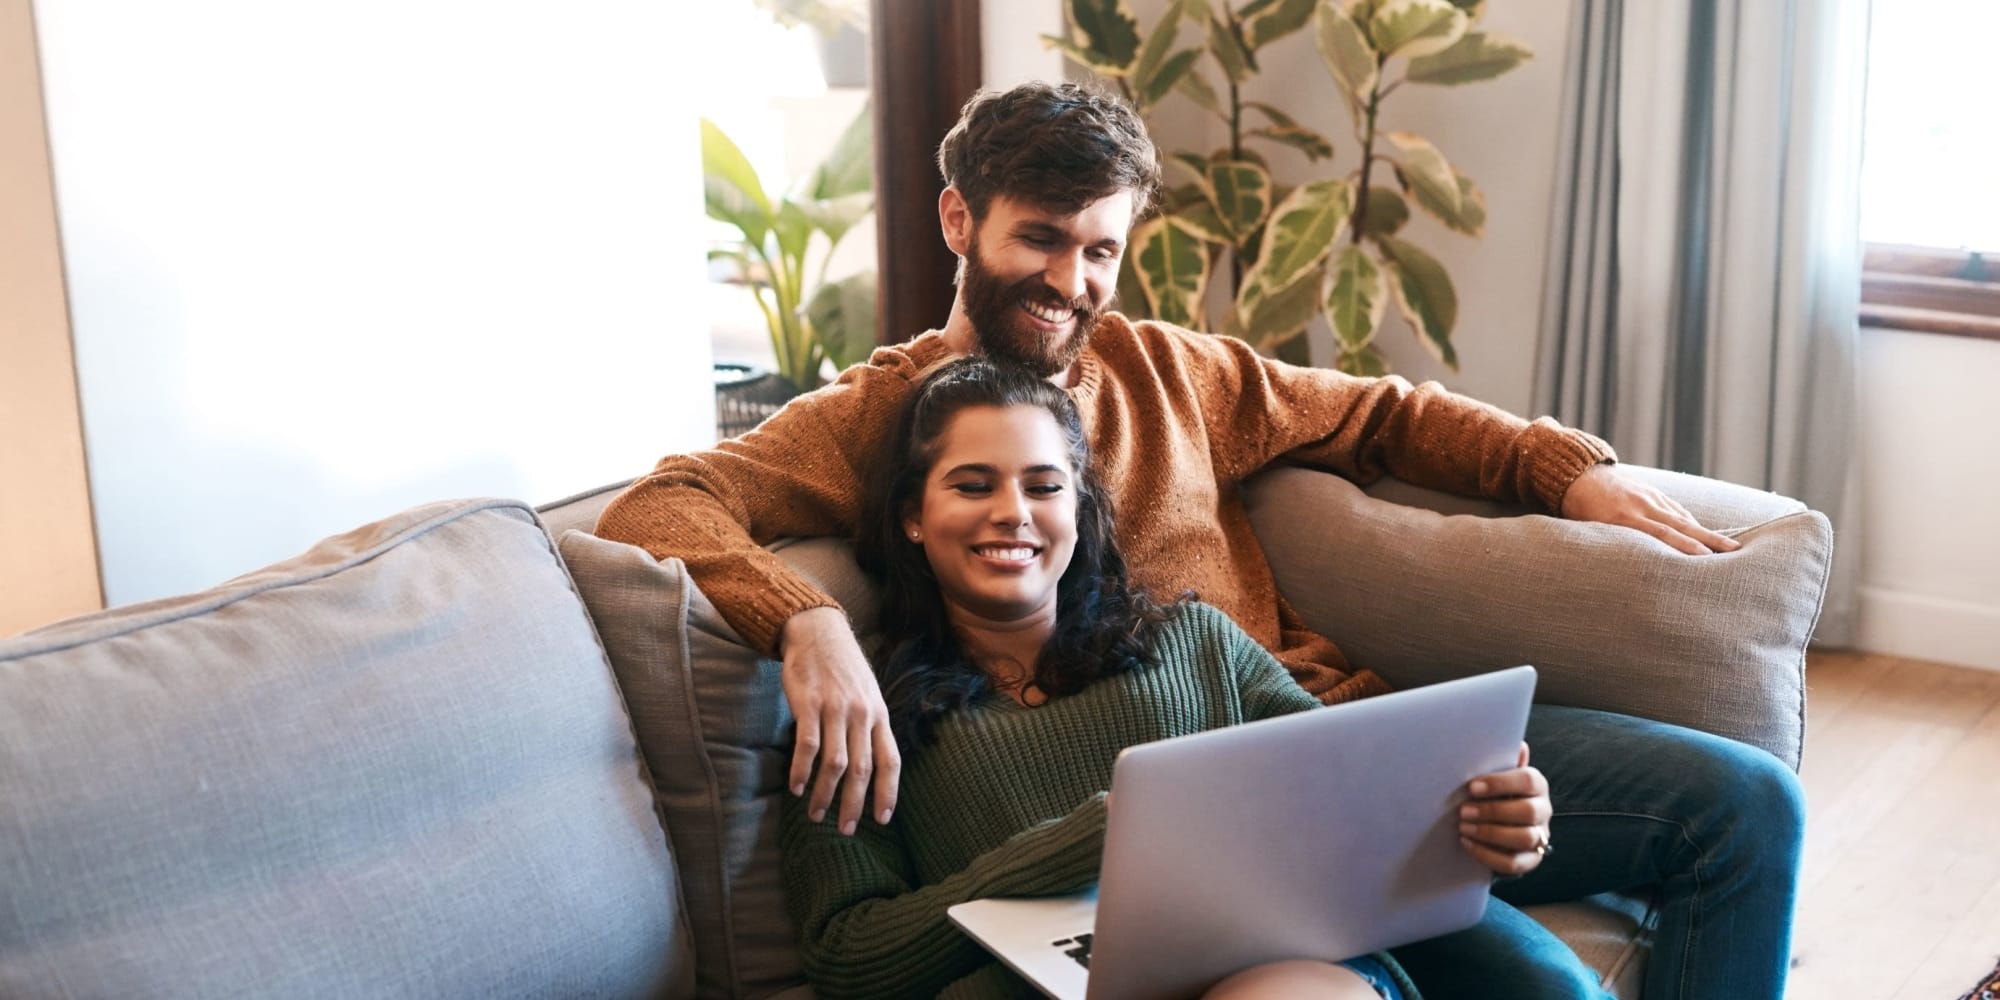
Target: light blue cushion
396 766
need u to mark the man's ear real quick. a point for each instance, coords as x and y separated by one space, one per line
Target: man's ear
955 218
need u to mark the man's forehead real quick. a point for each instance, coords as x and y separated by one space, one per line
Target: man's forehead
1111 211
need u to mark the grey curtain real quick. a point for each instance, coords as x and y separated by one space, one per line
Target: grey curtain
1700 305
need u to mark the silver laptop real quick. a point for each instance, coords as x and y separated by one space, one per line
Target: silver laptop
1325 835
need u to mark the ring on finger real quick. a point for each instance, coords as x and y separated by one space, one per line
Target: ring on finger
1542 846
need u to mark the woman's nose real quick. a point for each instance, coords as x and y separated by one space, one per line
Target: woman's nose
1009 507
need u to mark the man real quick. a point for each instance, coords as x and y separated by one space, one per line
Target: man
1043 184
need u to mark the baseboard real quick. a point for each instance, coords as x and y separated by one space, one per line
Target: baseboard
1929 628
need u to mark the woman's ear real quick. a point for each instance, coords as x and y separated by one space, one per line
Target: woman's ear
955 218
913 529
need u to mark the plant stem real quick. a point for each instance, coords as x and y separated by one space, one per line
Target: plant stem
1375 95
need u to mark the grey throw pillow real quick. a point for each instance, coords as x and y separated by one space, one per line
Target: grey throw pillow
712 721
395 766
1610 618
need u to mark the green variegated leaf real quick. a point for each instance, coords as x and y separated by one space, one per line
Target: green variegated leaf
1173 268
1476 56
1425 170
1171 73
1195 163
1090 58
1305 140
1286 130
1229 51
1413 28
1274 20
1108 29
1131 293
1468 216
1474 9
1347 54
1424 296
1271 113
1300 234
1200 216
1366 362
1272 319
1241 194
842 314
850 167
1158 43
1197 11
1196 88
1356 297
1386 213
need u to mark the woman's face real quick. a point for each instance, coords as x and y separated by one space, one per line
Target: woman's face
997 514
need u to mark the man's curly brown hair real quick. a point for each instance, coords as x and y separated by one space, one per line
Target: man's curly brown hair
1058 146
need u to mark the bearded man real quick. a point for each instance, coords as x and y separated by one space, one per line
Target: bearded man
1042 186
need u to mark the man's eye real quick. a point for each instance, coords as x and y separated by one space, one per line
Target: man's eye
1105 255
1038 242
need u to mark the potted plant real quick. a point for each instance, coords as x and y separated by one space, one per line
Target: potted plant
811 320
1328 245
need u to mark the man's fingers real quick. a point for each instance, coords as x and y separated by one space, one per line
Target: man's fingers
888 771
805 747
832 764
860 768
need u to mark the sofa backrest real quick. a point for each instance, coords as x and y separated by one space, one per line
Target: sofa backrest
397 765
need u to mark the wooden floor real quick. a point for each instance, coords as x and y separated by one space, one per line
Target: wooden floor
1900 897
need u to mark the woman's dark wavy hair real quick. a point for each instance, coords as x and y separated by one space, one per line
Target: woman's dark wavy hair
1104 625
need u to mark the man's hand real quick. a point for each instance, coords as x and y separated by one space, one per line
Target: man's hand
1605 494
841 718
1505 825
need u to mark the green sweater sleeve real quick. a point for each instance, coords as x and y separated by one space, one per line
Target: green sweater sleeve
864 931
1265 688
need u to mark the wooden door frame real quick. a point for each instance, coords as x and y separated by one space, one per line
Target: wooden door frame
926 64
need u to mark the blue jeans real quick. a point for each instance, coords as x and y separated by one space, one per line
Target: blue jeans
1713 826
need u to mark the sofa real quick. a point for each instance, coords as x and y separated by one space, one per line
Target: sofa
471 750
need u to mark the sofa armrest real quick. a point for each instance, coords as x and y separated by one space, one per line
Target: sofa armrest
1421 587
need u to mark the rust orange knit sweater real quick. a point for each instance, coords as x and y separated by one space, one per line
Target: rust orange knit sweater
1177 420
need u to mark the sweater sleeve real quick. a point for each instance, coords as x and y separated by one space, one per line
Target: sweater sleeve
867 930
799 474
1364 428
1264 686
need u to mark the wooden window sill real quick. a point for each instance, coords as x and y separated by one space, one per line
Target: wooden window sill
1931 291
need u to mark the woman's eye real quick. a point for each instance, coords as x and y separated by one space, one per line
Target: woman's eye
1046 489
969 489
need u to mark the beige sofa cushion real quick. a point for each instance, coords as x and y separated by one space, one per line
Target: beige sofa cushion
712 721
395 766
1610 618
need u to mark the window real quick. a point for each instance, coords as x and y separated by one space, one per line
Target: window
1930 185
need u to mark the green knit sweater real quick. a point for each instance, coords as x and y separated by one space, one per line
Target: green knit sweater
1006 801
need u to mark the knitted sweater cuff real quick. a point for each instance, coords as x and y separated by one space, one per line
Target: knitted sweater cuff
1060 856
1558 455
759 615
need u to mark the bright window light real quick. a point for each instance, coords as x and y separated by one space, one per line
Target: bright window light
1931 167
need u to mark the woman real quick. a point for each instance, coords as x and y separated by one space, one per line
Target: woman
1017 660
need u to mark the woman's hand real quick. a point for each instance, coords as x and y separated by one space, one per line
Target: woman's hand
1505 823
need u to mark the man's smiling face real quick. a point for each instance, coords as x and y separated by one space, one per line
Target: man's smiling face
1035 282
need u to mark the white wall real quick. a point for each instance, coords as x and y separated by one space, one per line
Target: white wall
329 260
1930 517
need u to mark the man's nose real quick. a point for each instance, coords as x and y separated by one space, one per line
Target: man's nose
1065 276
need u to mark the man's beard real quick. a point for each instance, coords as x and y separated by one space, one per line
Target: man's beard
1006 335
